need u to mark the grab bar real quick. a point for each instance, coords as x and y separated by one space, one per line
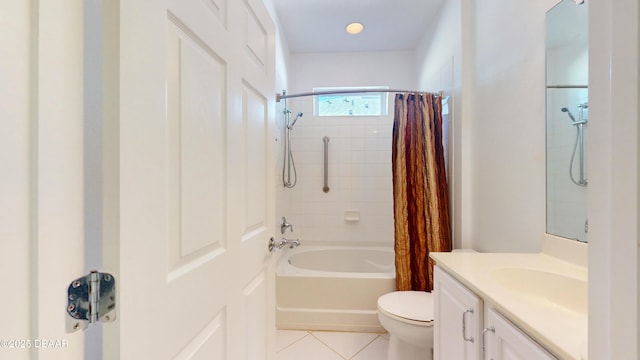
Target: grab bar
326 164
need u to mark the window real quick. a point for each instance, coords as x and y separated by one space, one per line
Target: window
352 104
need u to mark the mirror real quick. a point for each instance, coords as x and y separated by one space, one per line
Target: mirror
567 119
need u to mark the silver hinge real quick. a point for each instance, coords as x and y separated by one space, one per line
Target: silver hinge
90 299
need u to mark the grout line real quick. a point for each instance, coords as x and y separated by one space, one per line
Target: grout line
378 335
327 345
366 346
288 346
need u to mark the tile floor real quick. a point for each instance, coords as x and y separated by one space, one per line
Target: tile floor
327 345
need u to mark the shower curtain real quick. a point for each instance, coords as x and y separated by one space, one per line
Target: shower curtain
421 207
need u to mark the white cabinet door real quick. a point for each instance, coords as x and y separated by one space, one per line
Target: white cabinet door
506 342
458 319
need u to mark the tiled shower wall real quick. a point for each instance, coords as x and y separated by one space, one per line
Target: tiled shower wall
358 209
359 204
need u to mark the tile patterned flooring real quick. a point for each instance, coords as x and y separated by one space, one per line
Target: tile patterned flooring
328 345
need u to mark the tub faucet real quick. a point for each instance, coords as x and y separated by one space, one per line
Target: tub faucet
273 245
284 225
292 243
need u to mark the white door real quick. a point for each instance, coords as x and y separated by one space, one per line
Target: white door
189 178
41 182
187 171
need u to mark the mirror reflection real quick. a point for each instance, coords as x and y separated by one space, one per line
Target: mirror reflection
567 119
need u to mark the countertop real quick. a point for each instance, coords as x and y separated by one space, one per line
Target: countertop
562 331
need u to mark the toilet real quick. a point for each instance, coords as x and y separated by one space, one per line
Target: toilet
408 317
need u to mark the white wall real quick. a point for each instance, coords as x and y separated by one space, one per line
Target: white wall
439 68
282 195
498 126
16 182
501 148
359 150
508 125
393 68
613 185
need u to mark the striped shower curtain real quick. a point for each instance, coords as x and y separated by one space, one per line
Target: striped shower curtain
421 207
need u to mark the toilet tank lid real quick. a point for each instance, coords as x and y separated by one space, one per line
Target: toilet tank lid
412 305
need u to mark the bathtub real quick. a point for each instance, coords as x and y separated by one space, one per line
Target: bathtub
333 288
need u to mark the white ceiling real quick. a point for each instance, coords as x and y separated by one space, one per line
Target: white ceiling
319 25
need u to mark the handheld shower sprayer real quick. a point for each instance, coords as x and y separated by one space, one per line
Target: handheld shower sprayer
578 145
294 120
289 174
564 109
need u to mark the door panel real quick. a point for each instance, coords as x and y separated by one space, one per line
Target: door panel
208 344
196 86
256 39
254 157
196 95
255 303
255 162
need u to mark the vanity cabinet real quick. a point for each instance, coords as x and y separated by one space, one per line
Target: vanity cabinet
458 319
464 323
504 341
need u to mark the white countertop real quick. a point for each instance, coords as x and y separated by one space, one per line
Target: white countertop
560 330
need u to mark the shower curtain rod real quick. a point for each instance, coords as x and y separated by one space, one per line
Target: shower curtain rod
349 91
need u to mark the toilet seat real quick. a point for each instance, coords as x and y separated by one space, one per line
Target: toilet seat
415 307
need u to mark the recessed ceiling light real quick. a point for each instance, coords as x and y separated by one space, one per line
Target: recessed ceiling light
354 28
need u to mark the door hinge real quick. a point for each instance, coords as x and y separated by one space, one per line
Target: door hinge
90 299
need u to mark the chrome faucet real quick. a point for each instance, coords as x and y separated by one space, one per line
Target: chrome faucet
273 245
292 243
284 225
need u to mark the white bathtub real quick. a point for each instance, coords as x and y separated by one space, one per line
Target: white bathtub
333 288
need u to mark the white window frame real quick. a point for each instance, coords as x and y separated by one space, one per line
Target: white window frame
383 95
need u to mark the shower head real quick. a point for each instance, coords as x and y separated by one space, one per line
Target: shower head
564 109
294 120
